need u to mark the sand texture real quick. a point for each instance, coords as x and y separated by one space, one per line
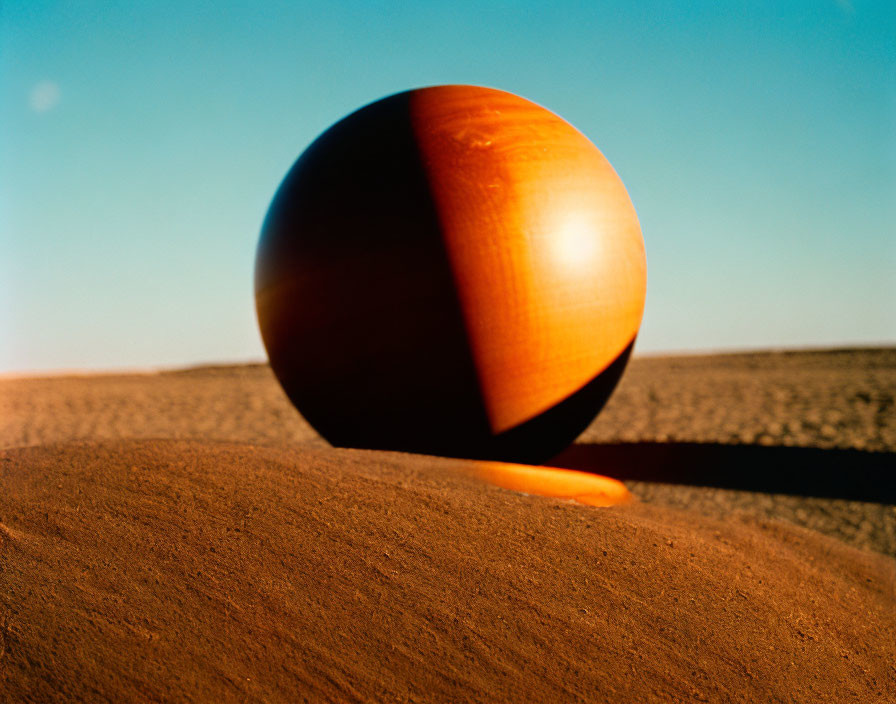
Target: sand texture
185 536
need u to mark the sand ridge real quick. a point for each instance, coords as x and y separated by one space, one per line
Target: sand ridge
159 570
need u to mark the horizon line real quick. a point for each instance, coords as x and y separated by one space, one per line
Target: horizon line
139 369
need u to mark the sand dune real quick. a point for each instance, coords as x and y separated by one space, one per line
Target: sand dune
187 571
187 537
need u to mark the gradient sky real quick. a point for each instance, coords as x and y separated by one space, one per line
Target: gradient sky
140 145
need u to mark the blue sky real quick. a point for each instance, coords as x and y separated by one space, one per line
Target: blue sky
140 144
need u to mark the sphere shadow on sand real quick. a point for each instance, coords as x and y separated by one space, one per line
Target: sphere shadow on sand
849 474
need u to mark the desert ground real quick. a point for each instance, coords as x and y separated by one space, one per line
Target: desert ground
185 536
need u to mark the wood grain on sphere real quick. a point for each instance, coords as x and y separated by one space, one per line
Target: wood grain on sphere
544 244
451 270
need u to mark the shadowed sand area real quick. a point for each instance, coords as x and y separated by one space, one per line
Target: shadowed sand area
185 536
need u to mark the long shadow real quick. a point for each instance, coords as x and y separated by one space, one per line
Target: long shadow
804 471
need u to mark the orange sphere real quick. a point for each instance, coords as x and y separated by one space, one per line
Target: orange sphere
451 270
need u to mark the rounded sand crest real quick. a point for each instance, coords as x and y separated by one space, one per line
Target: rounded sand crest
197 571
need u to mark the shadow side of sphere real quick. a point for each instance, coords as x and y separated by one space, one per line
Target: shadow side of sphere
355 295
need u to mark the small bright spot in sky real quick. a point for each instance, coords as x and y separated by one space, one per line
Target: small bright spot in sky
847 6
44 96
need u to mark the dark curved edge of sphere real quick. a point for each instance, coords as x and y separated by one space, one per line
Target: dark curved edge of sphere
551 431
531 442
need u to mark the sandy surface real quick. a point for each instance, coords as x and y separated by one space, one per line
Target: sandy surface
225 552
751 405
